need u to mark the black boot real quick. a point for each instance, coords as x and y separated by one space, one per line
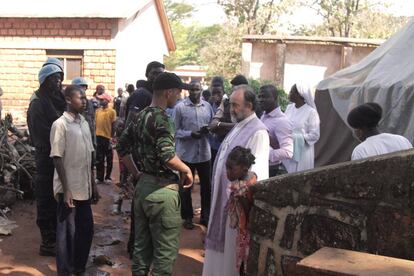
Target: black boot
48 244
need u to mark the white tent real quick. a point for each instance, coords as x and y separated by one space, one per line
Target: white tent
386 76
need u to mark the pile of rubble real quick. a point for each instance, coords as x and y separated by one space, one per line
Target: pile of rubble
17 164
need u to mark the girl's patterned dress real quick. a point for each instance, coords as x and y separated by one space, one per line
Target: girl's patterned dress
238 207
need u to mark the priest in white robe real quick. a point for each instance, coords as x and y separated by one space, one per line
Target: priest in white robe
249 132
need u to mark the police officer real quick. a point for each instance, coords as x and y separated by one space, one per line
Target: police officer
46 105
148 151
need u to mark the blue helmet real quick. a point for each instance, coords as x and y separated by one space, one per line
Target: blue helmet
55 61
79 81
48 70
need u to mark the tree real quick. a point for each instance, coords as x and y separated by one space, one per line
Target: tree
339 15
352 18
255 16
189 38
222 52
374 24
178 11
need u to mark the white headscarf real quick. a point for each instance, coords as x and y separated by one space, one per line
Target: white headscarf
306 92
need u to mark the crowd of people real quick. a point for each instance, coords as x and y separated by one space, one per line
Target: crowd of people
163 140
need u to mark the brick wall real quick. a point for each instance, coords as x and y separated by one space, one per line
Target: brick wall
49 28
362 205
19 67
18 79
99 68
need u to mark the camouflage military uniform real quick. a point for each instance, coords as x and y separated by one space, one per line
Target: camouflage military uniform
150 140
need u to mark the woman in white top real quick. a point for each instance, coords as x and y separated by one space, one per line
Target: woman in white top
364 120
305 120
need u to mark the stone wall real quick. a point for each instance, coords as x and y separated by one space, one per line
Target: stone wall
363 205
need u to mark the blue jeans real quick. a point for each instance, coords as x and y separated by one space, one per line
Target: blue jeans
74 236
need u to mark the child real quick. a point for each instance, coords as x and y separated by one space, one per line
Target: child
240 201
73 185
105 119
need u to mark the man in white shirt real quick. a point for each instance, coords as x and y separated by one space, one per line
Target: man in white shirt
279 127
73 185
364 120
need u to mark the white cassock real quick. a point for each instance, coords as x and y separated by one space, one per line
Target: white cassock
305 121
382 143
224 263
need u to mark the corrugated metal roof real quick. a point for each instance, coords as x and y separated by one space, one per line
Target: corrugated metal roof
71 8
313 39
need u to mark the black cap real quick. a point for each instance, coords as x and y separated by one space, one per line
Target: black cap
166 81
185 86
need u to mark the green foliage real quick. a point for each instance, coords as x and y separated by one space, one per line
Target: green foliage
189 40
373 24
222 54
257 16
178 11
351 18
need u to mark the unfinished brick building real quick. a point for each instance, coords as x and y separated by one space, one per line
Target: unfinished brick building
101 41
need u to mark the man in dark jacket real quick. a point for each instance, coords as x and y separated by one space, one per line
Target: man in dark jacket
142 96
46 105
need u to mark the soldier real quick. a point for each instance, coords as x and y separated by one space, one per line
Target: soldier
46 105
148 151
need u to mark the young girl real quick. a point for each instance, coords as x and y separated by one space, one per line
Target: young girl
240 201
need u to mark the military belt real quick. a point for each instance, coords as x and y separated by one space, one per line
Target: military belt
163 182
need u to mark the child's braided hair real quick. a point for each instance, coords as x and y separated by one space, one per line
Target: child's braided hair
242 156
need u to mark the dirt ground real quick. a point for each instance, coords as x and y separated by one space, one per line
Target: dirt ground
19 252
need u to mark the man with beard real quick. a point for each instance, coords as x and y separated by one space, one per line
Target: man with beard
46 105
280 129
142 97
191 118
251 133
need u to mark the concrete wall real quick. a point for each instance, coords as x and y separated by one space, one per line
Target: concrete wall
363 205
289 62
140 40
310 63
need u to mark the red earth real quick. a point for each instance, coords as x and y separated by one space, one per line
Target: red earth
19 252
